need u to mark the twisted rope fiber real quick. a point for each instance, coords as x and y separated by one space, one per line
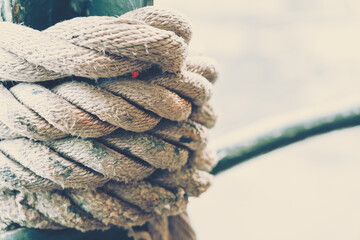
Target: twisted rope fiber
85 154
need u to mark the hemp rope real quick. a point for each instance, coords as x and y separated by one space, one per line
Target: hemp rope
94 148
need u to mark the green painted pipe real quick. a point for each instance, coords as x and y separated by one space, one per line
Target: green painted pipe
296 128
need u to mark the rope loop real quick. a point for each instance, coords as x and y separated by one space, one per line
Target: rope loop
85 142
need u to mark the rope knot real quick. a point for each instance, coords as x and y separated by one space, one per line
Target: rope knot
103 122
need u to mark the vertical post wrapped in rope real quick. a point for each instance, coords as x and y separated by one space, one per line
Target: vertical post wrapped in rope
41 15
83 144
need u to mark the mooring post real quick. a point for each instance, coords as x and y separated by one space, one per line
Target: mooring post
41 14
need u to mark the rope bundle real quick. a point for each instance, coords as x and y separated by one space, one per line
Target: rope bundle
82 144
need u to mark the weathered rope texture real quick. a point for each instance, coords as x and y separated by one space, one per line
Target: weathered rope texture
85 143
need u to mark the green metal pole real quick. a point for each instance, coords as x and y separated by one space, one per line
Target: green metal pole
255 144
41 14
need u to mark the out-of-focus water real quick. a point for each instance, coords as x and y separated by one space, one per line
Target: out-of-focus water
278 56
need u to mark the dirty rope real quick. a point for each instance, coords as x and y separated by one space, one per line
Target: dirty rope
85 143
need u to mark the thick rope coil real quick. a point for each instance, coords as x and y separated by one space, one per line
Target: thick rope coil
113 204
110 150
80 109
83 54
204 66
163 19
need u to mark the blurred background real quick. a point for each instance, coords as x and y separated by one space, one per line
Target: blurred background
278 57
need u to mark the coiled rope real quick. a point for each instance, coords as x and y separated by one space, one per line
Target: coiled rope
82 144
